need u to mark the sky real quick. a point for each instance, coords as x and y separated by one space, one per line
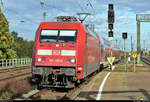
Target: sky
24 17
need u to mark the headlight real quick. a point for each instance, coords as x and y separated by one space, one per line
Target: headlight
39 59
79 68
73 60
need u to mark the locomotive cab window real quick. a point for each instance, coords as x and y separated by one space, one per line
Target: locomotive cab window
58 36
67 36
48 35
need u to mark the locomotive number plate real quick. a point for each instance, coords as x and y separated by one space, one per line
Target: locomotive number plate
56 52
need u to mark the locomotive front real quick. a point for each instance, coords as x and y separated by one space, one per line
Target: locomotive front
55 54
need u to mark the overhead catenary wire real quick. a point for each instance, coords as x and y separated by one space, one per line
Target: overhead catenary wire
89 3
82 9
7 10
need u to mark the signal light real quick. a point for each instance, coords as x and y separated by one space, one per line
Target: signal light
110 6
111 17
111 14
110 34
110 26
124 35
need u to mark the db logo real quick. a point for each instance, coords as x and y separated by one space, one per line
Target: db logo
56 52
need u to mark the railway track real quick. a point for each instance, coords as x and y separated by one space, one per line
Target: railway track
11 73
72 94
41 94
56 94
14 69
15 76
146 60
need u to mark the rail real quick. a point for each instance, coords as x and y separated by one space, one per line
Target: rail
146 60
12 63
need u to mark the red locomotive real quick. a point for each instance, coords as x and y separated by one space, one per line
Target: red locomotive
64 53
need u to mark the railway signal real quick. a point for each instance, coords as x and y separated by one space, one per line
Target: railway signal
124 36
111 14
110 26
110 34
110 19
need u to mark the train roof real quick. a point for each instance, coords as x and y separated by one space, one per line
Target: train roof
90 31
58 25
62 23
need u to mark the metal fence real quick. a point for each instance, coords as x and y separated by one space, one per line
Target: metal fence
11 63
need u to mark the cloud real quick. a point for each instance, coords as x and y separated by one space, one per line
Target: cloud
30 11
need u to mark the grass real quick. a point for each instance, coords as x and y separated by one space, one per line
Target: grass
9 70
122 64
130 63
6 95
96 80
107 69
15 65
19 71
137 72
141 98
120 70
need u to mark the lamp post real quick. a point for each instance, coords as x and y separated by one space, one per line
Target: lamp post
82 16
44 13
41 3
44 16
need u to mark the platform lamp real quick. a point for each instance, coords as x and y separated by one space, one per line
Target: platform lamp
82 16
41 3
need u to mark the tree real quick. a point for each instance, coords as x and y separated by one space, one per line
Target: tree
6 39
22 47
15 35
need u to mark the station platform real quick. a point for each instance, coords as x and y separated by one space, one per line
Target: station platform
120 84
